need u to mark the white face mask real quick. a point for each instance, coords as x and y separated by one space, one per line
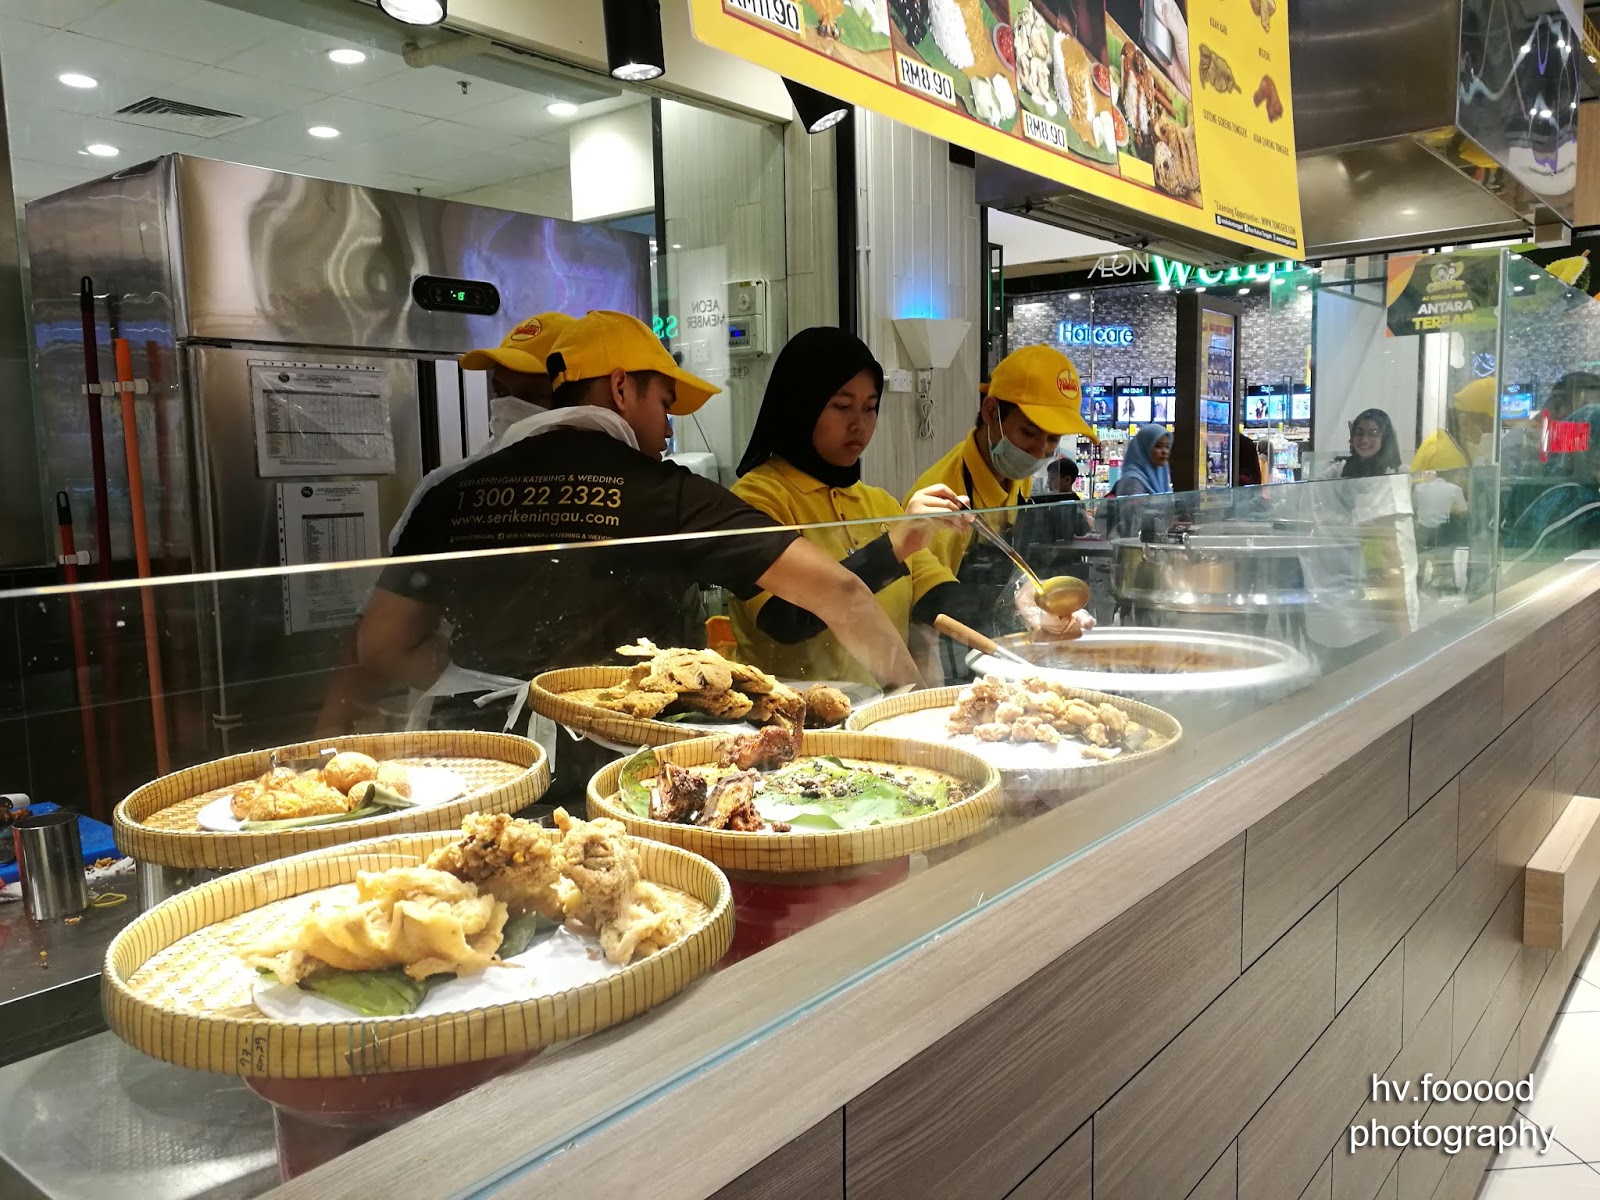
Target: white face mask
506 411
1011 460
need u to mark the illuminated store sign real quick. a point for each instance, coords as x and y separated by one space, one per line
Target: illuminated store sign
1134 266
1083 333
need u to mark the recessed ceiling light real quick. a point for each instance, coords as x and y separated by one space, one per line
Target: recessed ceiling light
414 12
323 131
100 150
74 79
677 245
1244 291
1303 288
1532 277
1517 288
346 56
562 108
1074 295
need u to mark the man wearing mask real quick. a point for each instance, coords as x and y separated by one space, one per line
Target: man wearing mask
1033 399
518 384
585 473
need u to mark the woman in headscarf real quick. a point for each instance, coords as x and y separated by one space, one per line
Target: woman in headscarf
1144 473
1374 449
803 467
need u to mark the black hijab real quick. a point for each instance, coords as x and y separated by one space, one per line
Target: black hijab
1386 461
809 371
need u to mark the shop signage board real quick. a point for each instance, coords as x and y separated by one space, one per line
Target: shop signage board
1436 293
1128 267
1085 333
1188 118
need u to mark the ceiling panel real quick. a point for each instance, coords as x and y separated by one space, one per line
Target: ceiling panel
17 37
55 13
125 75
209 31
433 92
243 94
300 57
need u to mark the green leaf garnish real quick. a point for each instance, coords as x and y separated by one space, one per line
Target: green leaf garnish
390 993
521 932
634 791
366 810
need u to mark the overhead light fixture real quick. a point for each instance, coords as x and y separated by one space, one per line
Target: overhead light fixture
414 12
1304 287
1244 291
634 51
561 108
677 245
817 110
1074 295
323 131
100 150
74 80
347 56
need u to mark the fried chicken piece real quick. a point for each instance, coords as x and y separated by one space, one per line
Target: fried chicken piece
1097 735
1113 718
652 920
635 703
693 671
826 705
517 861
250 794
731 804
717 704
680 795
1267 93
600 868
764 750
992 732
1099 753
752 681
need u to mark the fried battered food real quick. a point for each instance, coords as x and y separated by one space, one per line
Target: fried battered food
732 804
423 920
698 681
826 706
1177 166
599 869
1036 710
248 795
289 796
1264 10
1215 72
681 795
652 920
344 770
516 861
764 750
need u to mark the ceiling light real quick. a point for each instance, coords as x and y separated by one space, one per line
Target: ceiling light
73 79
1200 289
323 131
677 245
1545 113
1074 295
1244 291
346 56
100 150
1591 58
562 108
633 39
1304 287
1517 288
817 110
1531 278
1165 287
414 12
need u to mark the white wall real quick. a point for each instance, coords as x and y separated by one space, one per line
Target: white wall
573 31
612 165
919 258
547 194
1024 240
1357 366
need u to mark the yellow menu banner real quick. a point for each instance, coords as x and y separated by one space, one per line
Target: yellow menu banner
1180 109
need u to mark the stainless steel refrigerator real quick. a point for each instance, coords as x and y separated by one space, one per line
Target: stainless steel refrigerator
296 342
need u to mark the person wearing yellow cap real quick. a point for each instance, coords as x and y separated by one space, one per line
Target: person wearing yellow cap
1469 420
803 468
587 471
1033 400
519 383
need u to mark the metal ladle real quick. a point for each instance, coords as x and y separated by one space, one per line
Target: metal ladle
1060 595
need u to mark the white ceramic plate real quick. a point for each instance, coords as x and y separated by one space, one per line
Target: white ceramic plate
429 786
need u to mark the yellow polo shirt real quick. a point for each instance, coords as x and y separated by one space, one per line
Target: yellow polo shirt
949 546
1439 452
791 497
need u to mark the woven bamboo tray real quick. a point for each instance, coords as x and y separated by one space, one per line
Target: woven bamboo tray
791 853
547 696
1164 727
503 772
175 989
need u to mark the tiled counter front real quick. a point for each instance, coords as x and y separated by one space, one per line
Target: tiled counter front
1219 1038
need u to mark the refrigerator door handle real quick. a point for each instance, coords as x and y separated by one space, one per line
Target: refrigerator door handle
447 410
475 409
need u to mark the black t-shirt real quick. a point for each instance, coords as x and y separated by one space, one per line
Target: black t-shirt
519 614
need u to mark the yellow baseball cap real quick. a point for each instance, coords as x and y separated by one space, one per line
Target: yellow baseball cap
1481 396
1044 384
602 342
525 348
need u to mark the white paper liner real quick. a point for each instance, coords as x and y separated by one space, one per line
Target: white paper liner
554 964
430 786
932 725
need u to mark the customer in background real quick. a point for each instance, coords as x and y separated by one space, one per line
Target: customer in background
1048 528
1566 516
803 467
1145 472
1368 495
1246 461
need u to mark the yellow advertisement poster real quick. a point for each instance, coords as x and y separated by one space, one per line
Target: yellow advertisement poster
1180 109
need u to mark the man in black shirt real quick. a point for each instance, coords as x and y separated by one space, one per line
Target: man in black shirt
580 480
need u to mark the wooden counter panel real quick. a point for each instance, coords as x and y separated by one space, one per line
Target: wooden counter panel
1384 896
1160 1133
1300 853
1321 1185
1440 939
1221 1181
1485 965
971 1115
1068 1174
1450 732
1533 667
1284 1142
806 1169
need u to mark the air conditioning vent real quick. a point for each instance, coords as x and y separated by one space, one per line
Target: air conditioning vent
177 116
